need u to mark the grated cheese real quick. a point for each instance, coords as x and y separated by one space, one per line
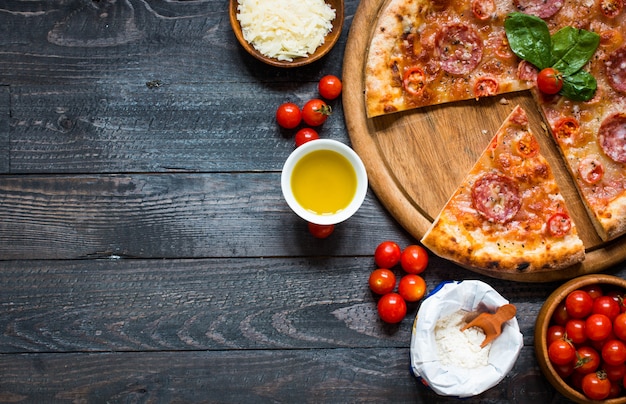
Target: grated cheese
285 29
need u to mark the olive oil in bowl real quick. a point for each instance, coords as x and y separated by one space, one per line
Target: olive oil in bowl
324 181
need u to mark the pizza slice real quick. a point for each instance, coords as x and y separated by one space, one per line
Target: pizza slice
591 136
508 215
425 52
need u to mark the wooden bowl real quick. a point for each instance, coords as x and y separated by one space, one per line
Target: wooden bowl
329 41
543 322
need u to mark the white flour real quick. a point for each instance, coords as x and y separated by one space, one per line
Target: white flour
460 348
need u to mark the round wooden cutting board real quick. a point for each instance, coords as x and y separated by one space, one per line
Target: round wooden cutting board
416 159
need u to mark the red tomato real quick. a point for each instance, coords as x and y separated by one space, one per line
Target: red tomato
549 81
606 305
412 287
566 370
560 315
587 360
329 87
614 372
382 281
595 291
614 352
392 308
619 326
288 115
315 112
596 386
598 327
619 298
305 135
578 304
559 224
387 254
561 352
575 330
414 259
555 332
414 81
321 230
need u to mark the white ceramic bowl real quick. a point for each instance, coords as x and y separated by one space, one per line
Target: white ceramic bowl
357 165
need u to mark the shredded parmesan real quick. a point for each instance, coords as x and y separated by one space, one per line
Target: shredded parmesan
285 29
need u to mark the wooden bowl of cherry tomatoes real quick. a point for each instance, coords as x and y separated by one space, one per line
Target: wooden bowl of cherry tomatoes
580 339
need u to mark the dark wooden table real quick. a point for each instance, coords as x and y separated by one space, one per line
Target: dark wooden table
146 253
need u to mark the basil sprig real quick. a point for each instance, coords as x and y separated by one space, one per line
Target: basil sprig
567 51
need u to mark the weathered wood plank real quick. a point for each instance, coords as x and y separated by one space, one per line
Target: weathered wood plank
344 375
273 325
170 216
174 127
133 41
5 116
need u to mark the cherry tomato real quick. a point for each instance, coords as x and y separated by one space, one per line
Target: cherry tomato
315 112
587 360
578 304
549 81
596 386
559 224
321 230
329 87
598 327
305 135
566 370
606 305
561 352
618 296
560 315
575 330
555 332
595 291
382 281
387 254
414 81
391 308
619 326
288 115
412 287
616 390
414 259
614 352
614 372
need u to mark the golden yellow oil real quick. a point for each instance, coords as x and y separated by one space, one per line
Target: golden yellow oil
323 182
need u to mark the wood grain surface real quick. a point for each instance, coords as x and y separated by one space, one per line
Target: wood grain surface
146 255
416 159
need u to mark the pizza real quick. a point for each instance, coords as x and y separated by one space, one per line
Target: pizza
508 214
430 52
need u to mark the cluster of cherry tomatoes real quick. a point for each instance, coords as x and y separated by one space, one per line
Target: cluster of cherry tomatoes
587 341
411 288
313 113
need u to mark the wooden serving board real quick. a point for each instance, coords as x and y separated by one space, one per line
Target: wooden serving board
416 159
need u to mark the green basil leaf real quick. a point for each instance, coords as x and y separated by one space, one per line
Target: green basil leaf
580 86
572 48
529 38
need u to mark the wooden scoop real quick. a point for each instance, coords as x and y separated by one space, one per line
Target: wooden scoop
491 324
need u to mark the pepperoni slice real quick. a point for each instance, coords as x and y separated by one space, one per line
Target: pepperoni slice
611 8
485 86
559 224
484 9
591 170
539 8
615 68
459 48
526 71
414 81
612 136
496 197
